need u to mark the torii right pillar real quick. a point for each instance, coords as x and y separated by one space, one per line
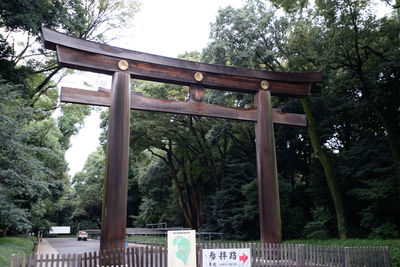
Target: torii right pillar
268 189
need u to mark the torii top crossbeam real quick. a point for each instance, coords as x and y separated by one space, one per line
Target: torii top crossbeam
124 64
86 55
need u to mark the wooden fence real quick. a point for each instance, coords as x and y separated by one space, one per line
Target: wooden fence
262 255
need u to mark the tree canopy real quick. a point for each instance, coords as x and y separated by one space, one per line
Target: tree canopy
34 180
338 177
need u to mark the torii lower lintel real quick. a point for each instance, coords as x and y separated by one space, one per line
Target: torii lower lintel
102 97
84 55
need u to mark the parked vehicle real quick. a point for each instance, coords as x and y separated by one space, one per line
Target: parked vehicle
82 235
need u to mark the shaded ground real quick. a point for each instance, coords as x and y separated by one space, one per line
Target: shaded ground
72 245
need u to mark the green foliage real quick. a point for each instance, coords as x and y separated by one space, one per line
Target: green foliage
355 108
88 185
30 15
80 18
71 121
317 228
153 183
253 37
101 16
32 167
290 5
242 38
33 172
233 210
14 245
200 172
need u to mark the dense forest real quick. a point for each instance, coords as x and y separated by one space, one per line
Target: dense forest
35 188
338 177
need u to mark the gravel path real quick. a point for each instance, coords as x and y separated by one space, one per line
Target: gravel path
67 245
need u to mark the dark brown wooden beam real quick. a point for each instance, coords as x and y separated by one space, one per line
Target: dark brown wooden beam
52 38
268 190
196 93
138 102
192 108
87 61
113 219
295 119
87 97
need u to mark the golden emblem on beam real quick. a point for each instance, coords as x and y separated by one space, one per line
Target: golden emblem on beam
265 85
198 76
123 65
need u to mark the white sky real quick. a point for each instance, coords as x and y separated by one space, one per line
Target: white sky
166 28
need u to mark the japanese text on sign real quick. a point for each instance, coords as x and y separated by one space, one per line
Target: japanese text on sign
231 257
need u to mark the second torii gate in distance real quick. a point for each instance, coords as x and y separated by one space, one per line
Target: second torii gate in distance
125 64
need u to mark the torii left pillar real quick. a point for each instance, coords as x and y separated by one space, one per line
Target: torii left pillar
113 226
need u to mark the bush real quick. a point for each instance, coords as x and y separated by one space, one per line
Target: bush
14 245
317 228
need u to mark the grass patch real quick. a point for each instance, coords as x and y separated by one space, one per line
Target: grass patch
393 244
14 245
147 239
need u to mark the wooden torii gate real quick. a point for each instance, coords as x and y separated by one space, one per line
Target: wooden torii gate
125 64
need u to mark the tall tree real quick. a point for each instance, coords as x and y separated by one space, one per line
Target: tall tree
181 143
33 170
88 185
253 37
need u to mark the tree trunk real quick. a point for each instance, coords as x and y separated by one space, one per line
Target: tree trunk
174 176
5 229
188 197
328 170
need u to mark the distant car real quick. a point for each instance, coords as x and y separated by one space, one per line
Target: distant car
82 235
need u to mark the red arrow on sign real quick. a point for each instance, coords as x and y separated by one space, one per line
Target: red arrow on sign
243 258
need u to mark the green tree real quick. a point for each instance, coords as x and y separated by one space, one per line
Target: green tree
155 189
88 19
88 185
32 165
33 170
356 53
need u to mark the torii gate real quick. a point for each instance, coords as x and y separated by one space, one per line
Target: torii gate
125 64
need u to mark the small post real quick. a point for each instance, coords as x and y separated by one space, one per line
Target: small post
346 257
268 191
113 223
387 257
196 93
12 260
300 255
78 260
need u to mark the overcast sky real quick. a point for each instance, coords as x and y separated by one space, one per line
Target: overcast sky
166 28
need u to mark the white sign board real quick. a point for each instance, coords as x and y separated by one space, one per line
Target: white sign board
60 230
229 257
182 248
